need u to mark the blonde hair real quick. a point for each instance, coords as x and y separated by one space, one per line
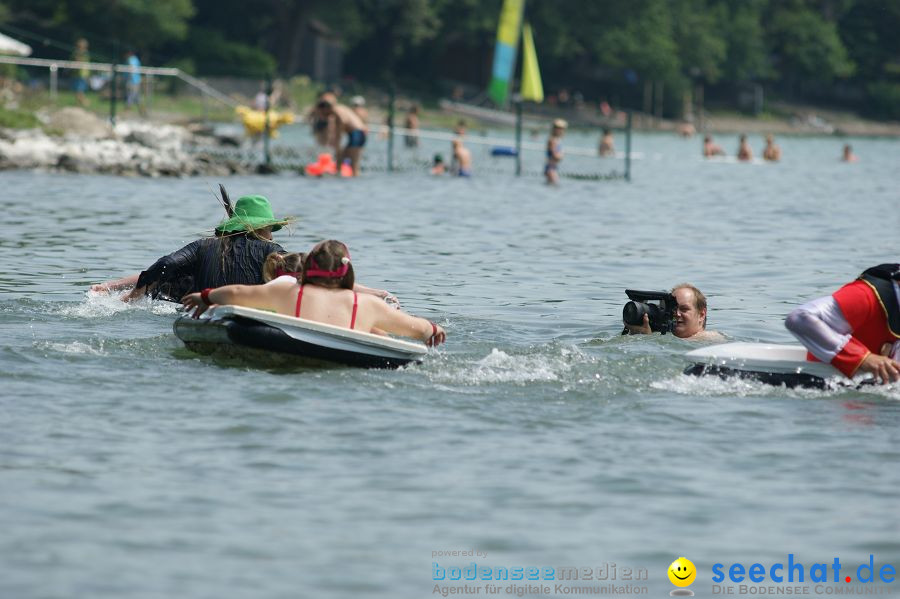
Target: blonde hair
699 299
292 263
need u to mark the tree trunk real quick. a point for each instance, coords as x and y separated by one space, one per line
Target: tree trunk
294 18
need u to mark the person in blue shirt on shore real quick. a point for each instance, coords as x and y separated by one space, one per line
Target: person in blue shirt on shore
133 82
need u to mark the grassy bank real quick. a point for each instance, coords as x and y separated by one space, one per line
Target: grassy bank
300 94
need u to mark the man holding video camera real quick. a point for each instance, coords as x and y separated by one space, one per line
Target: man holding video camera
682 311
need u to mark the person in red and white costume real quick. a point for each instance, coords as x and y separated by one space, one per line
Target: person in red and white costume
857 328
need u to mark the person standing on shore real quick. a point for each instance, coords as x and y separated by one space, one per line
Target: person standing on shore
80 85
133 83
771 153
744 154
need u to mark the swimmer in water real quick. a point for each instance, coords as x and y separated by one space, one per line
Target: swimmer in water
711 148
607 147
771 153
554 151
745 154
346 121
462 158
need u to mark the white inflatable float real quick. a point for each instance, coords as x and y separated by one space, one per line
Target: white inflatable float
256 334
765 362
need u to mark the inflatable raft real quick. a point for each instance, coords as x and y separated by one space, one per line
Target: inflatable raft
768 363
255 334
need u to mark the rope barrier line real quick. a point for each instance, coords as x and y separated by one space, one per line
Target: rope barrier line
478 139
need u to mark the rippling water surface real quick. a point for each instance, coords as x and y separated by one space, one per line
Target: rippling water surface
131 467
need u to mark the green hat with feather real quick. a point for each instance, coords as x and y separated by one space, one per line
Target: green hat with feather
250 213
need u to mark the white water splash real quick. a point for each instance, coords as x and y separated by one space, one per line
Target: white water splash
104 305
73 347
501 367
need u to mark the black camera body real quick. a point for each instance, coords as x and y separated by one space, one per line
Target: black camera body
661 314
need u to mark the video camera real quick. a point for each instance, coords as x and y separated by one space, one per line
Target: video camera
662 314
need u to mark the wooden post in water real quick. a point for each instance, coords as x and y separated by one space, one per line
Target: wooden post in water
518 102
267 132
390 153
628 147
113 86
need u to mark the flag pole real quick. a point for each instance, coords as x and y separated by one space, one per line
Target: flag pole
518 100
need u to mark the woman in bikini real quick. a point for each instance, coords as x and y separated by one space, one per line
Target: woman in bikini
322 292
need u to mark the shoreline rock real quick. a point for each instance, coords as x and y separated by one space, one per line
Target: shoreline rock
81 142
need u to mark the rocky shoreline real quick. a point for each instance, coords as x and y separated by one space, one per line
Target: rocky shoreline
74 140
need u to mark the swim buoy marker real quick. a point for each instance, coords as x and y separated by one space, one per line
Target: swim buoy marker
325 165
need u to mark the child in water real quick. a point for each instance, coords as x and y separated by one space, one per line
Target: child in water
554 151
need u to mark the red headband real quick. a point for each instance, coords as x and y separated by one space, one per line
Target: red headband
315 271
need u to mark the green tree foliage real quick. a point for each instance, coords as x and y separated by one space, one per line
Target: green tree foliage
747 55
791 45
214 54
698 32
807 45
141 24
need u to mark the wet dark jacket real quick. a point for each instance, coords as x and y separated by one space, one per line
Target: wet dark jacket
203 264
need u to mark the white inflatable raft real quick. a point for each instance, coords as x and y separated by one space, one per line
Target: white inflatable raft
246 332
769 363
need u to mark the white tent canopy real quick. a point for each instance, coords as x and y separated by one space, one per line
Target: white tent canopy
10 46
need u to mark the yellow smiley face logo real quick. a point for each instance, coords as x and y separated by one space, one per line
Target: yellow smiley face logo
682 572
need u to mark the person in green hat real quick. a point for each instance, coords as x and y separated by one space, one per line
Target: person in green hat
234 255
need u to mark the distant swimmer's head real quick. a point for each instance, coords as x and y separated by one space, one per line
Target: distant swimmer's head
328 265
560 125
438 159
278 264
357 101
682 572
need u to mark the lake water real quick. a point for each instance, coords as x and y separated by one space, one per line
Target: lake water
130 467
